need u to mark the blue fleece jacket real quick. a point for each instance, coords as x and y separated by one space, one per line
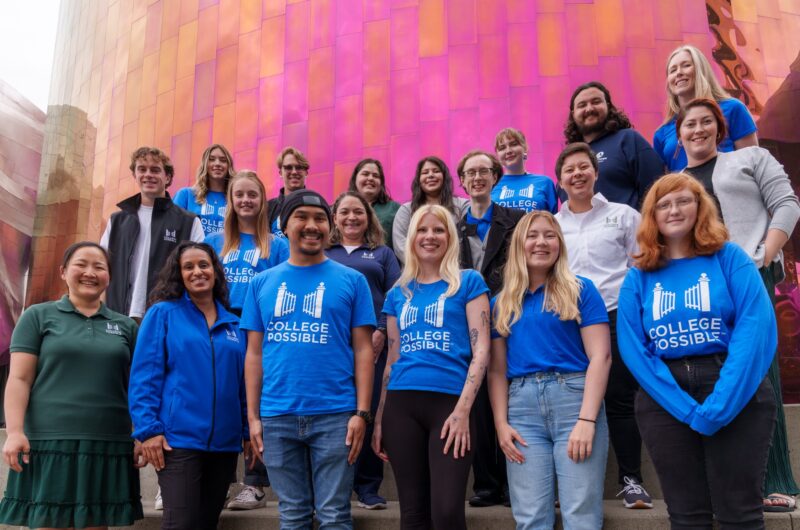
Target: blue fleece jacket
187 381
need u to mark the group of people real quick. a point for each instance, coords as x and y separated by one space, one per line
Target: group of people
324 341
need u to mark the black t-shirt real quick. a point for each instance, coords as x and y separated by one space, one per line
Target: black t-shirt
703 173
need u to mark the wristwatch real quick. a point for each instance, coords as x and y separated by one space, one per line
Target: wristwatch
364 415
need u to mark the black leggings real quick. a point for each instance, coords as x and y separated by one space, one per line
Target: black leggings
193 486
431 485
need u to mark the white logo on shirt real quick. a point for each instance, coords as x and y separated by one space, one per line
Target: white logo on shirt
612 221
113 329
231 336
696 297
433 313
250 256
367 255
601 156
527 191
222 210
506 193
207 209
169 235
312 302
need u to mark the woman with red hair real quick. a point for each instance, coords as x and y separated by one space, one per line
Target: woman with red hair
697 331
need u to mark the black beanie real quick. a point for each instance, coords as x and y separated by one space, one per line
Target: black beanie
303 197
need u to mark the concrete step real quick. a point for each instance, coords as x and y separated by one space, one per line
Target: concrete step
616 517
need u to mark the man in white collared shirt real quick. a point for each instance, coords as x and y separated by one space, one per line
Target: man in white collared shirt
601 240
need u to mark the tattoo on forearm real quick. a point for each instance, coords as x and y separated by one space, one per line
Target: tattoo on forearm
391 343
473 336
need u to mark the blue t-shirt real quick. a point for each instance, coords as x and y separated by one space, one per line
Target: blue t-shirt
434 336
306 315
740 124
245 262
698 306
526 192
561 346
211 212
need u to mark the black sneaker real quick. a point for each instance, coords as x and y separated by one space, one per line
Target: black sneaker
483 499
634 496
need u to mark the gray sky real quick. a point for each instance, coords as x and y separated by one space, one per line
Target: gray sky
27 41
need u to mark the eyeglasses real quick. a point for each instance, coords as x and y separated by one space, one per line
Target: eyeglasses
297 167
681 204
483 171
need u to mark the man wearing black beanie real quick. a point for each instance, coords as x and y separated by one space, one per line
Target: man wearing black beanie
309 368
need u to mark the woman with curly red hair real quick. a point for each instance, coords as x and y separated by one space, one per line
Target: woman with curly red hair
697 331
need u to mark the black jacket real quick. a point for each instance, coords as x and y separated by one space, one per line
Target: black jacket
504 220
171 224
274 207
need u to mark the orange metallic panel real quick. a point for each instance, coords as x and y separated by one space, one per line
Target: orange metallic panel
432 28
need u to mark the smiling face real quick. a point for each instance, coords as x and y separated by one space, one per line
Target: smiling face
197 272
681 75
293 173
247 199
217 165
698 134
590 110
676 214
578 177
307 230
511 152
541 246
431 179
86 274
478 178
351 219
368 181
150 177
431 239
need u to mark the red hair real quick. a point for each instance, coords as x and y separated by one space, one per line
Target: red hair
708 235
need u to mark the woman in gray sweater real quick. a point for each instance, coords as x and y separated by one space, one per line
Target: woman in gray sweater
760 210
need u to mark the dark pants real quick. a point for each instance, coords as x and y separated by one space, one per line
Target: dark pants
620 395
489 463
705 477
431 485
193 487
256 477
369 468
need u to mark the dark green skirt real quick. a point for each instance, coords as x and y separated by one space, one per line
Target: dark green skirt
74 483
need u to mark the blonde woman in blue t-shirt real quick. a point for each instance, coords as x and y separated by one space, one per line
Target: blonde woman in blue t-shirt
438 332
550 360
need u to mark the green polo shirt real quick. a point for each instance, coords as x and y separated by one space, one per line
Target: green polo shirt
81 385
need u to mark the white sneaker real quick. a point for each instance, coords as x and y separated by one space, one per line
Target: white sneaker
159 503
249 498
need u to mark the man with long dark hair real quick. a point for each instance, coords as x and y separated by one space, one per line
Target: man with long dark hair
628 163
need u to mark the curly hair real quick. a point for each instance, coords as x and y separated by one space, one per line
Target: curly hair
445 196
373 236
156 153
169 285
615 121
383 196
708 235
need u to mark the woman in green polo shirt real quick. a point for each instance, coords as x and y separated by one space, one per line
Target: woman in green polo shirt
69 433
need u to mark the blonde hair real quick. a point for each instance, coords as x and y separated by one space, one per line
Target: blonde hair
562 288
231 228
201 179
706 85
448 268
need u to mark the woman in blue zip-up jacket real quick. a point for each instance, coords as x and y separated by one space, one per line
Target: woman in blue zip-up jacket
186 394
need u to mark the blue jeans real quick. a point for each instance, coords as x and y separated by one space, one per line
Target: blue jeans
307 461
544 408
